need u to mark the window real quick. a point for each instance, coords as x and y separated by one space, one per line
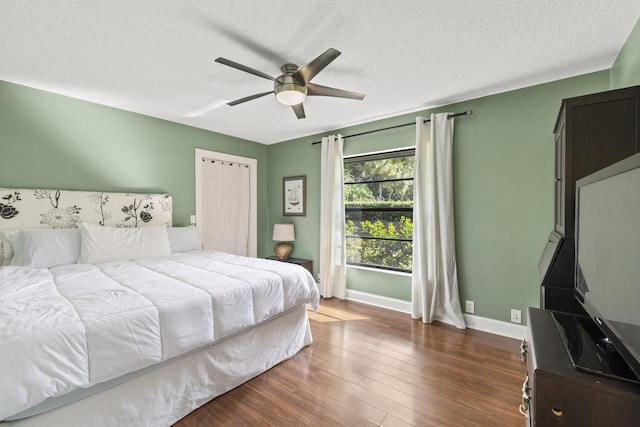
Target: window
378 195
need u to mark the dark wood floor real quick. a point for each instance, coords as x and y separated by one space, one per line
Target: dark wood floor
369 366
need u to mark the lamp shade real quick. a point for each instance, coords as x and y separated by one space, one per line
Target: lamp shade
283 233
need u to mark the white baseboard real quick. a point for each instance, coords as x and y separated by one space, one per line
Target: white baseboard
497 327
379 301
485 324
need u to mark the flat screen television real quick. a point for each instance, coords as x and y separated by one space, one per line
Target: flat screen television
607 278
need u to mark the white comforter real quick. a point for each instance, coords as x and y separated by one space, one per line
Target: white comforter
77 325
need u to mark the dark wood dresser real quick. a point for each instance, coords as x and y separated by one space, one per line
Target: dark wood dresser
556 394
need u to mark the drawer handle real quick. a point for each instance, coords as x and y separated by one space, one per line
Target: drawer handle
523 350
524 407
556 411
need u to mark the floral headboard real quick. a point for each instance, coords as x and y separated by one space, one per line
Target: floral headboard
20 208
66 209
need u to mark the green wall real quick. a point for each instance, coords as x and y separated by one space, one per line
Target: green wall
503 183
60 142
626 69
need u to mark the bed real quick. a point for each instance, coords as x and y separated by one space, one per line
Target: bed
108 317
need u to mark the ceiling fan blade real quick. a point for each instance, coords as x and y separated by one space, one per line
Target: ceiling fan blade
309 71
299 110
248 98
244 68
318 90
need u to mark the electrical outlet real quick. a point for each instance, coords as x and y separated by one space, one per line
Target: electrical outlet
516 316
192 219
469 307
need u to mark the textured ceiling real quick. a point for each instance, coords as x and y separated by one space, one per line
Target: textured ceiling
157 57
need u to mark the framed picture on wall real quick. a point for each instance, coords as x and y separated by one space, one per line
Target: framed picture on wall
294 196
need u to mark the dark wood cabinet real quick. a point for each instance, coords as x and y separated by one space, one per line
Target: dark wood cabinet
556 394
306 263
591 132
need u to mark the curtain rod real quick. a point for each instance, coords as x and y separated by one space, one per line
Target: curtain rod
450 116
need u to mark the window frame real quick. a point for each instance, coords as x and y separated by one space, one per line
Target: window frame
361 158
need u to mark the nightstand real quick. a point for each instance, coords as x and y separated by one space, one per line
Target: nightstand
306 263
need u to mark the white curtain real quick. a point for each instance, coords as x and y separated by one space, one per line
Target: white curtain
434 283
226 206
333 281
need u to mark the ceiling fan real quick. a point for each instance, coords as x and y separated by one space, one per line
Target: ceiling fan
294 85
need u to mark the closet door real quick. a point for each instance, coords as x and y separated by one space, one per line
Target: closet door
226 202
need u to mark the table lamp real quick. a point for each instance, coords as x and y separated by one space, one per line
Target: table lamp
283 234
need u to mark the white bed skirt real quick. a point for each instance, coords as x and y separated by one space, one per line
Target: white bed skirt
165 395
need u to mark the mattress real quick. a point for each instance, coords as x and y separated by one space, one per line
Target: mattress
74 326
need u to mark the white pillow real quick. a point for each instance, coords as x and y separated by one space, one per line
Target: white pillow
44 248
103 244
6 250
183 239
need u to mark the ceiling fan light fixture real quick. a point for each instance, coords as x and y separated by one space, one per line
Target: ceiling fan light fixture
291 94
292 87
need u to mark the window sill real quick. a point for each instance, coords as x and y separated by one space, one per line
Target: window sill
379 270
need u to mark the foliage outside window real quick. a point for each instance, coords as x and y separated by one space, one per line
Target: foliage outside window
378 193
